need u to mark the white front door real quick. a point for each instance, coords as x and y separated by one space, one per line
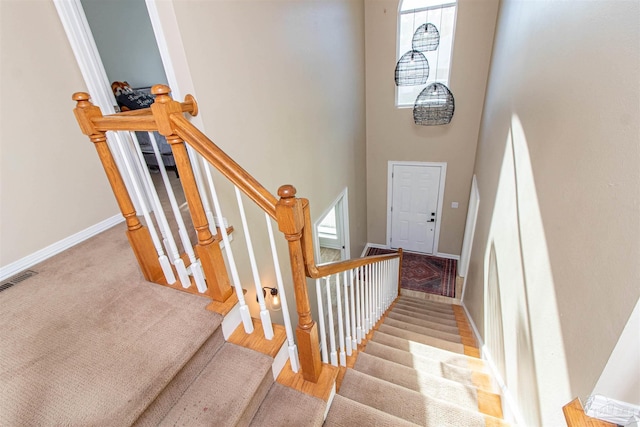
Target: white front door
415 193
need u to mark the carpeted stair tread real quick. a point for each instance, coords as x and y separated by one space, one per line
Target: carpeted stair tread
227 392
159 408
345 412
449 315
429 302
425 350
430 385
284 406
422 339
435 307
435 333
424 323
89 332
459 371
407 404
428 317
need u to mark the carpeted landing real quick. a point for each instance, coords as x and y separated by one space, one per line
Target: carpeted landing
416 370
86 344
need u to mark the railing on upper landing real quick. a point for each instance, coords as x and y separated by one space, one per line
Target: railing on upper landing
357 291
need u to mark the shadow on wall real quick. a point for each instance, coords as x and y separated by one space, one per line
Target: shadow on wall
523 335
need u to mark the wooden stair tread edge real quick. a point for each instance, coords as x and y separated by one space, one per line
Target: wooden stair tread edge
323 389
576 417
256 341
223 308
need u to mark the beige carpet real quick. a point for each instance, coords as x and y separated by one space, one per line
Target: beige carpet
410 374
88 342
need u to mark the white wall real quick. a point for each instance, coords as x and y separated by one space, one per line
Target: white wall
122 31
391 132
554 272
620 378
51 182
280 88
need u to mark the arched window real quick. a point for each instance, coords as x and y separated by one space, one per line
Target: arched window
431 23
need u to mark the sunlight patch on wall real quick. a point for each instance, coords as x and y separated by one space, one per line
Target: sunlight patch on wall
527 341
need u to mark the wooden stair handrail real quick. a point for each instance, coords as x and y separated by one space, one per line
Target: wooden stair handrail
317 271
225 164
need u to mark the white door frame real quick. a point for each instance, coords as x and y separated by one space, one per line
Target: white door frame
342 198
443 175
86 52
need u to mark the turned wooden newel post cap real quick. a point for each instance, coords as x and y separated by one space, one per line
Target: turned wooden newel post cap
287 191
161 92
82 98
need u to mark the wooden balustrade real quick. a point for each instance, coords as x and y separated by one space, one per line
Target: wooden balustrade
207 248
291 213
290 219
138 234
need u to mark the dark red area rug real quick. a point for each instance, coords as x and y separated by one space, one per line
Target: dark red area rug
425 273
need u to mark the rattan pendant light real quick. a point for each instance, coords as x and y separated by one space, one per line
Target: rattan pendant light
434 106
426 38
412 69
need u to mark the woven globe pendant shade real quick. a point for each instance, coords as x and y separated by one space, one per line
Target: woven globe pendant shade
434 106
412 69
426 38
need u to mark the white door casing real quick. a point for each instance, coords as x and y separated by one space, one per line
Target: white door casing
415 195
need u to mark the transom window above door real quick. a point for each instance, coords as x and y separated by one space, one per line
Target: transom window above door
436 20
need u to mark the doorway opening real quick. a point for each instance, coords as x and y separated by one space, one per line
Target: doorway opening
415 194
331 231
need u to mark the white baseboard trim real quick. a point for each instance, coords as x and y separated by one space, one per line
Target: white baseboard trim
511 412
22 264
372 245
448 256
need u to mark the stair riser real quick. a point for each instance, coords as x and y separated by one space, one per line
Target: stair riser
159 408
434 319
423 331
426 304
449 314
424 323
422 339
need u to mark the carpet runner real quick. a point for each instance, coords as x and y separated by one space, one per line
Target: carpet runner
400 380
425 273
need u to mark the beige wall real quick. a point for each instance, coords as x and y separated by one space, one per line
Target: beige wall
280 87
554 271
391 133
52 185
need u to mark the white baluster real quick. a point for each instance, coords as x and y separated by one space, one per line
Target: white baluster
245 315
162 258
333 354
163 225
343 357
323 333
367 301
293 350
347 318
196 268
264 313
359 311
352 285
